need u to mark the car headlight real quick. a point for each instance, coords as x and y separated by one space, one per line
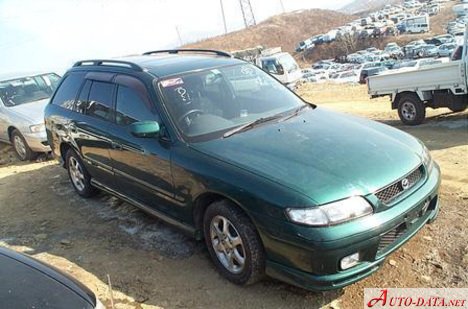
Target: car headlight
331 214
37 128
427 159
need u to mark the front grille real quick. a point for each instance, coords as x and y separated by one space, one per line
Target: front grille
390 237
391 192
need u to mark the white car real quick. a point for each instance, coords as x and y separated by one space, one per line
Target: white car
22 102
345 77
446 50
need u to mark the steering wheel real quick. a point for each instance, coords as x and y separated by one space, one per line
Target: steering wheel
187 114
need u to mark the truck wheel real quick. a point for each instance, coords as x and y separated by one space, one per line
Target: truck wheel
411 110
79 176
233 243
22 150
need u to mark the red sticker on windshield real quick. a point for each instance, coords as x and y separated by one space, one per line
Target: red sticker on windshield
172 82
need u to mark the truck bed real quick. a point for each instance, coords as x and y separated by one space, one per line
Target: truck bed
441 76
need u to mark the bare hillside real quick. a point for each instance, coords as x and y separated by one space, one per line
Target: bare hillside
284 30
359 6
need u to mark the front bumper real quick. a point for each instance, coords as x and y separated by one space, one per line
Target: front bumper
37 141
313 264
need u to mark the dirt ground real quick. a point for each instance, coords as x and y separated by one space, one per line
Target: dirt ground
152 265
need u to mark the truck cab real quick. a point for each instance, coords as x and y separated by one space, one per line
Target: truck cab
282 66
434 86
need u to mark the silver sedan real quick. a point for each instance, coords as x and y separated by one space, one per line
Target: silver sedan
22 102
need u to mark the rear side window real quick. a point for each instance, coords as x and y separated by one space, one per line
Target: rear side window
68 90
82 102
100 100
132 107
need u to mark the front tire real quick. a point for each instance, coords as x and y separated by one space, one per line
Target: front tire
79 176
411 110
22 150
233 243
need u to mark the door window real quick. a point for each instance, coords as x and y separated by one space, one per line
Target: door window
132 106
100 100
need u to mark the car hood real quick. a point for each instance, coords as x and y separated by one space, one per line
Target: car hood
325 155
32 112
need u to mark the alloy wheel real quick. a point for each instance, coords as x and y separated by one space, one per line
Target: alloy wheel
227 244
76 174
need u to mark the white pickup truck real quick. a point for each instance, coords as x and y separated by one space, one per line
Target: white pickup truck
434 86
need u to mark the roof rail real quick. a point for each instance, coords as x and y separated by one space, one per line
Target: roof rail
190 50
115 63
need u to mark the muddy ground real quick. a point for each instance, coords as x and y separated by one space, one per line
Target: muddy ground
152 265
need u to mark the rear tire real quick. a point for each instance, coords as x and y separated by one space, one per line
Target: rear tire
79 176
22 150
411 109
233 243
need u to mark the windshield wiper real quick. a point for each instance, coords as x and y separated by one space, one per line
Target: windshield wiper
250 125
295 113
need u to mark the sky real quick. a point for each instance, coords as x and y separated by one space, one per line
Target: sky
50 35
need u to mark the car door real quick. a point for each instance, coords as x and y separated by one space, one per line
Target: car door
141 165
3 122
89 128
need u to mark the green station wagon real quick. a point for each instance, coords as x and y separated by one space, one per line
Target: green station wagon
221 149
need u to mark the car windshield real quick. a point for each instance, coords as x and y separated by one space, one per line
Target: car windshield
206 104
28 89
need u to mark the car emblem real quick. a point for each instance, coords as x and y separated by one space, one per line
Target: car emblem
405 184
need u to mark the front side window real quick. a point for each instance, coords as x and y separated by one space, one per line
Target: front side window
271 66
208 103
100 100
132 106
26 89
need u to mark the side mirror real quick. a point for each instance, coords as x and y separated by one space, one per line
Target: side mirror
145 129
279 69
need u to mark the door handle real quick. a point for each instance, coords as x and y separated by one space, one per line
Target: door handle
117 146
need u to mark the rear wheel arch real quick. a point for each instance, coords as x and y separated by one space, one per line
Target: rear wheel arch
64 147
400 95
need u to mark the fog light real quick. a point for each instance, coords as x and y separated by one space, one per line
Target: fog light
349 261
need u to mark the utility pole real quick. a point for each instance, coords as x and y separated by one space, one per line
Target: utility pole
178 35
247 13
224 16
282 6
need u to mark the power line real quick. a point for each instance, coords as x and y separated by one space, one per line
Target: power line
178 34
282 6
224 17
247 13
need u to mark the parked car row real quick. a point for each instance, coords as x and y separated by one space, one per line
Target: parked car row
330 71
411 17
